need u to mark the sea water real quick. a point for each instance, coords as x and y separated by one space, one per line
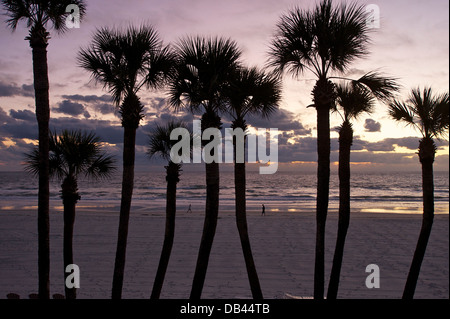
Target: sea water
291 191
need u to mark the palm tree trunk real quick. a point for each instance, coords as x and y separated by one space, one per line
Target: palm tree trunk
38 42
125 206
70 198
241 222
209 119
209 228
173 172
345 143
322 99
427 151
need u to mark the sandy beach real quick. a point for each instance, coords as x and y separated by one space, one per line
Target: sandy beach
282 242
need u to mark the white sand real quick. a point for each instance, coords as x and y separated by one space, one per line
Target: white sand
283 247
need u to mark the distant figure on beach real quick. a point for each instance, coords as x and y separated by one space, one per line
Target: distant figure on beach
263 213
189 209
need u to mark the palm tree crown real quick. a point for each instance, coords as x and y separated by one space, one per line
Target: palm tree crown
74 153
252 91
126 61
353 101
322 40
426 112
204 67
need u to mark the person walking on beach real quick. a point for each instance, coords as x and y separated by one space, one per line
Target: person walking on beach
189 209
263 213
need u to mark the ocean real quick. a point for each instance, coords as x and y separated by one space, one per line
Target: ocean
281 192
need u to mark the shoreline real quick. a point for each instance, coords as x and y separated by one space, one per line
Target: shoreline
273 208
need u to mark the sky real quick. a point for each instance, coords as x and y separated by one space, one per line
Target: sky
411 44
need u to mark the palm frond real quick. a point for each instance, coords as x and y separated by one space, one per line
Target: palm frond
422 103
382 87
102 167
32 162
160 68
440 117
41 12
292 48
346 36
17 10
401 112
102 59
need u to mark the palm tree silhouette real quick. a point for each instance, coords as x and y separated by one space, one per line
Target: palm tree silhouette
203 70
428 114
250 92
322 41
354 100
39 14
72 153
124 62
160 145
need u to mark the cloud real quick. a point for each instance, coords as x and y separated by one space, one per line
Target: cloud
19 125
8 90
88 98
281 119
70 108
97 103
104 108
24 115
372 126
4 118
108 131
411 143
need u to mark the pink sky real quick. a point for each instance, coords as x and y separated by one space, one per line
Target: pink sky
412 45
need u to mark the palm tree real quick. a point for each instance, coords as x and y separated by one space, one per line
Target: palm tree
160 144
322 41
203 70
250 92
429 114
354 100
72 153
38 15
124 62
